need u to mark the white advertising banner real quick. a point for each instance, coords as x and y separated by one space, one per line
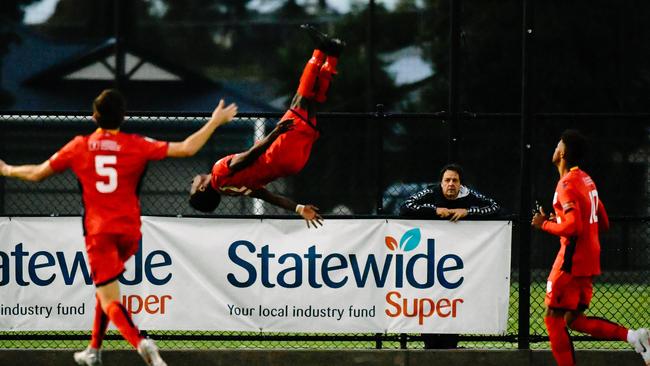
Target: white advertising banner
366 275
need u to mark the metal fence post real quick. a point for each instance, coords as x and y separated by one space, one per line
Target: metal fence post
2 179
454 46
370 95
524 234
403 341
379 138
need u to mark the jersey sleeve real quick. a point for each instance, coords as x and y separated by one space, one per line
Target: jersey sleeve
571 223
603 218
566 196
62 159
153 149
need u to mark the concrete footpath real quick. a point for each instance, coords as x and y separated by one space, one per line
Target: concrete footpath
327 358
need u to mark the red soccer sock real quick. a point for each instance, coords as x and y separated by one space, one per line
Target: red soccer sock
560 341
599 328
310 73
122 320
100 323
325 78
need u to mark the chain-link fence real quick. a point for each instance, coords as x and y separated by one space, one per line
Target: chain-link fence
365 165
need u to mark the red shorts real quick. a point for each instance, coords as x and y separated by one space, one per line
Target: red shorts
290 151
107 254
567 292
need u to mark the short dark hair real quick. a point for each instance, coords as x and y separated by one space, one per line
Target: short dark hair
205 201
453 167
109 108
575 145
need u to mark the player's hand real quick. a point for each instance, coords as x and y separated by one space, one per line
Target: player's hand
457 214
283 126
222 114
311 216
4 168
538 219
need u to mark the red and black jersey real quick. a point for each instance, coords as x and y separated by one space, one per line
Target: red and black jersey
243 182
286 156
579 215
109 167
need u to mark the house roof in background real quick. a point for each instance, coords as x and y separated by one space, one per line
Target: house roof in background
44 74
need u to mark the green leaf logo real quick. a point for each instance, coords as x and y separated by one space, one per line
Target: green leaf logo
410 240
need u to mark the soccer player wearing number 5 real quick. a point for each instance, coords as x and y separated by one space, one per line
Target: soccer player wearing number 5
578 218
109 165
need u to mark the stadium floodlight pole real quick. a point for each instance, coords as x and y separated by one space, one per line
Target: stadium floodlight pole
454 47
525 206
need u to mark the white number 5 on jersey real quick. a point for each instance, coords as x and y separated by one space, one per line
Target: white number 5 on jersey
103 169
593 197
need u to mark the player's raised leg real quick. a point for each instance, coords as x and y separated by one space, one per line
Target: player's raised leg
306 87
332 48
599 328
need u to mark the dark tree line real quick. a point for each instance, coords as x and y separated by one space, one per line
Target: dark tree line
588 56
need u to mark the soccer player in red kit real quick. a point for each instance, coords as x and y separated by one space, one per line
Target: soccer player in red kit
109 165
284 151
579 216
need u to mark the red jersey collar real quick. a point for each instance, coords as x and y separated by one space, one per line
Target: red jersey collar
113 132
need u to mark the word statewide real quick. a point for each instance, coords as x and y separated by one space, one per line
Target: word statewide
336 269
41 268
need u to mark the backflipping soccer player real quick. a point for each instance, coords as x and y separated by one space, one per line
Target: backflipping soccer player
579 215
109 165
281 153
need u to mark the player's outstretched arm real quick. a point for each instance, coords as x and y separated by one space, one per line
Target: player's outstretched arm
193 143
308 212
29 172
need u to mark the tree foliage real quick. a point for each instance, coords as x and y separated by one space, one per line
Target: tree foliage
586 55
